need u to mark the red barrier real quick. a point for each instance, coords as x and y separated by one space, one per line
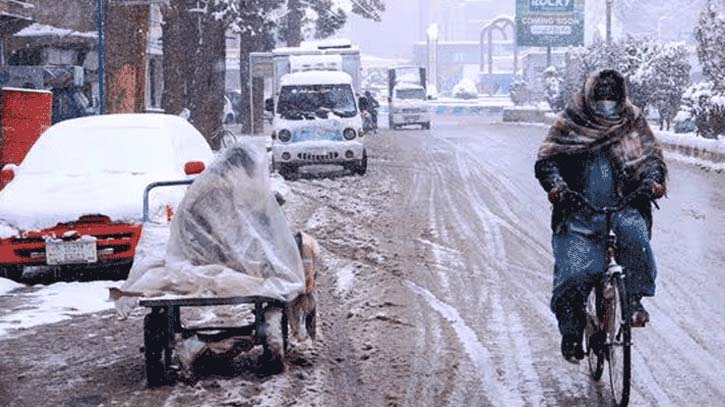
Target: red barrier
26 114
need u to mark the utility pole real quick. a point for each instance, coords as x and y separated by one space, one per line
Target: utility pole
609 21
101 61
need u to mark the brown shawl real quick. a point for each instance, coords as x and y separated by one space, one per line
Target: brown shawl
580 130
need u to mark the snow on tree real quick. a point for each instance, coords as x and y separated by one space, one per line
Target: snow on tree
669 78
323 18
465 89
553 89
656 74
707 101
519 92
710 35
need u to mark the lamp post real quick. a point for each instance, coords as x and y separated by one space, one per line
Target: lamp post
432 34
609 21
101 61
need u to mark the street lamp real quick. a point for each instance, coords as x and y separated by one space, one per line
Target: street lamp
609 21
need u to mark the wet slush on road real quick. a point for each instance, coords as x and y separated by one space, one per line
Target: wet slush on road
434 291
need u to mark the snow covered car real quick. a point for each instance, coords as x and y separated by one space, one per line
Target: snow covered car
317 121
75 202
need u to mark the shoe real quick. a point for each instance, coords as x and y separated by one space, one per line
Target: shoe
571 348
640 316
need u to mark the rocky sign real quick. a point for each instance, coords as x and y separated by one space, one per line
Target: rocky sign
550 23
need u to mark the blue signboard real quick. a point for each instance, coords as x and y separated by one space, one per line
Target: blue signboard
549 23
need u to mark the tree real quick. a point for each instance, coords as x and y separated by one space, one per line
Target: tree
710 35
670 78
552 89
707 100
632 57
126 33
322 18
255 25
194 60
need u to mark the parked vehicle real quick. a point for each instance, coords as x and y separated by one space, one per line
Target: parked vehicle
316 114
407 97
317 121
73 204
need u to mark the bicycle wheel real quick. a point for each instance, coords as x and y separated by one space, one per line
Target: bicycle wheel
228 138
592 338
619 343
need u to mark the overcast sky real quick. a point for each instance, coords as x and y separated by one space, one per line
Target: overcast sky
395 35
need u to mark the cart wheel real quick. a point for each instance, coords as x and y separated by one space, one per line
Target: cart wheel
154 335
285 330
311 324
273 341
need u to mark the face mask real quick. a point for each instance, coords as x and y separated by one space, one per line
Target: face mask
607 107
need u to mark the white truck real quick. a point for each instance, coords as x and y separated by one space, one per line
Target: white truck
408 98
316 119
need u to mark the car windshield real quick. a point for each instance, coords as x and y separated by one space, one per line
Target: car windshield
84 150
413 93
316 101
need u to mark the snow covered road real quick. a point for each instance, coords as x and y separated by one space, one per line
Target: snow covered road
435 293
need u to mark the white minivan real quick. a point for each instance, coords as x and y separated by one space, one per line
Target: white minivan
317 122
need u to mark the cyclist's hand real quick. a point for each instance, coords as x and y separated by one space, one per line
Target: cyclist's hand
655 189
559 193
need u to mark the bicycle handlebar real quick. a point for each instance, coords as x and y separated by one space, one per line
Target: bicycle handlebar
623 203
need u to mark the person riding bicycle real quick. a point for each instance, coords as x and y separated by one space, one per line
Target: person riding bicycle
601 147
372 108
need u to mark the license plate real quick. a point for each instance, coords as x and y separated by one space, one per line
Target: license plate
58 253
412 118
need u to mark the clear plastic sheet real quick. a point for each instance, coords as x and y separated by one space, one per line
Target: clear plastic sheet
229 237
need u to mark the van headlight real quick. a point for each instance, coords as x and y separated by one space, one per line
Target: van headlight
349 134
284 136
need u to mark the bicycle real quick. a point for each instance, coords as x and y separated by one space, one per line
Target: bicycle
608 332
226 137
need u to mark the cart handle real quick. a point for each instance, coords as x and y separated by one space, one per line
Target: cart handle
159 184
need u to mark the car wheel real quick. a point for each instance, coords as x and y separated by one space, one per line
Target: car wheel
14 273
426 126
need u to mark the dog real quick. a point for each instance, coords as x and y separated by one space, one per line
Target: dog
304 307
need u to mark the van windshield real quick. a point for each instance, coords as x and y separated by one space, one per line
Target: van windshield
316 101
412 93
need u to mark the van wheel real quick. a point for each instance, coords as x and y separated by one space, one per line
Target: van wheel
288 172
426 126
362 167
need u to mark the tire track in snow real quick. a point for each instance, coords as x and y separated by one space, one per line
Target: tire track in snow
495 389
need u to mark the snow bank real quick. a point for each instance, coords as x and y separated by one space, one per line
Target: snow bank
8 285
56 302
465 89
691 149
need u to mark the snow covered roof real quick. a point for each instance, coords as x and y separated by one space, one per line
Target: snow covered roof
316 78
333 45
43 30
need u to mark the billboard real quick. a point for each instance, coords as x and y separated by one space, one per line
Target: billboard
549 23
